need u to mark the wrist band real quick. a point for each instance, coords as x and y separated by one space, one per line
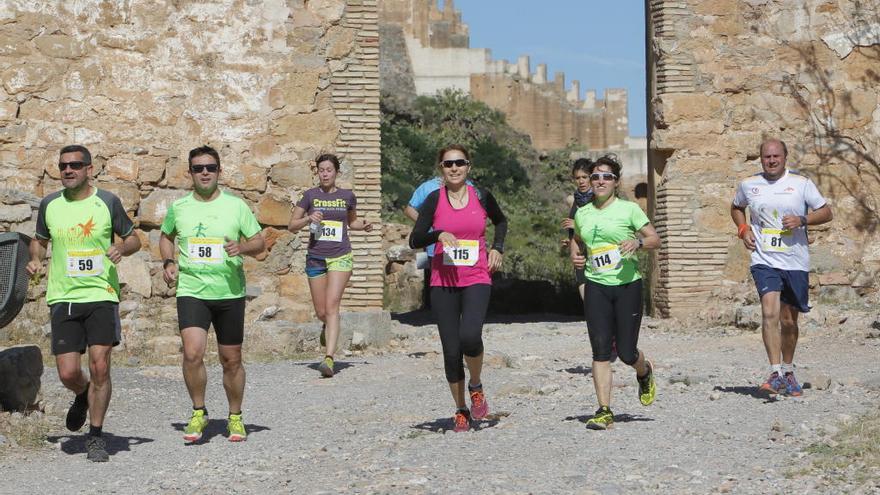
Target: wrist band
741 230
803 220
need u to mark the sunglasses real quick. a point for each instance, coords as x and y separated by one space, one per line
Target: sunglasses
197 169
71 165
461 162
603 176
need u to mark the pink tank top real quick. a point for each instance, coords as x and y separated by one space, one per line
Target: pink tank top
455 267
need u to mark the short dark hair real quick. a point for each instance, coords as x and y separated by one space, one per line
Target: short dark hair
328 157
581 164
451 147
74 148
611 160
203 150
784 147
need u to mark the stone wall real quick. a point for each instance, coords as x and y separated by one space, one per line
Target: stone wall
437 43
726 74
269 84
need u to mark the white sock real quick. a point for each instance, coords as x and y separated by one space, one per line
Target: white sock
788 367
776 368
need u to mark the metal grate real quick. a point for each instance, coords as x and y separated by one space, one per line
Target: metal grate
13 277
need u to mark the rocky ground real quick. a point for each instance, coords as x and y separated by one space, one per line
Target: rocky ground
380 426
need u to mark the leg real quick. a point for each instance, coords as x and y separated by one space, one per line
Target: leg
335 286
628 315
770 307
70 371
100 389
474 303
195 340
788 319
446 306
233 375
600 316
318 289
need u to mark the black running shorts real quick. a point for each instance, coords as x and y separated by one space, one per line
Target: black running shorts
227 315
75 326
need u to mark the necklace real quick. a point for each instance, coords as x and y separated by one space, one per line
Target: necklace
458 199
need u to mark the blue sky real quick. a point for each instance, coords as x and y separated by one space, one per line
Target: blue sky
599 43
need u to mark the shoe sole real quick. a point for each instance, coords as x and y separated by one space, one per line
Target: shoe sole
192 438
770 391
75 424
597 426
325 371
237 438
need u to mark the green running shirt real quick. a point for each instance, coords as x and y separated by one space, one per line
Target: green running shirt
602 231
81 233
201 228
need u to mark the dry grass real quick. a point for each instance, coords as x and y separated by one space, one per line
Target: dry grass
852 454
25 431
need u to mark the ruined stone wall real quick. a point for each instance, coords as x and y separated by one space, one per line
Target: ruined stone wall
269 84
725 74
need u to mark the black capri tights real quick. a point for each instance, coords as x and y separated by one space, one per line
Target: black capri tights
614 311
460 312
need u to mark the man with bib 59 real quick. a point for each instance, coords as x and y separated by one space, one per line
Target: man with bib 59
778 201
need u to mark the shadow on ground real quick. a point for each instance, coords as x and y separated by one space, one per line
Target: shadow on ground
618 418
76 444
423 317
750 391
338 366
446 424
217 427
577 370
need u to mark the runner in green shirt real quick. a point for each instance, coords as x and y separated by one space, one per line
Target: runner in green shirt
83 287
209 225
613 230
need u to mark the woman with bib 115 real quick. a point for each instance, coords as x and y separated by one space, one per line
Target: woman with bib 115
330 213
454 219
613 230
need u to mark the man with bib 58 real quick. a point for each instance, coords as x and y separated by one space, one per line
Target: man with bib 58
779 201
209 225
83 287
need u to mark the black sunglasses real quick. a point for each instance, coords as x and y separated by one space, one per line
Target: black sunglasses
197 169
603 176
461 162
72 165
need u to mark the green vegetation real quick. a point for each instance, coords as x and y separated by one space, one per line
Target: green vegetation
852 454
529 187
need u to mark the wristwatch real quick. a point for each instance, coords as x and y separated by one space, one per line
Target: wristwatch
166 262
641 243
803 220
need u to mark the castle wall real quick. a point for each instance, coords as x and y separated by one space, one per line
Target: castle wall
269 84
725 75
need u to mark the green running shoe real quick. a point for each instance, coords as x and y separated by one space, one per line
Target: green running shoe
236 429
601 420
647 387
326 367
197 424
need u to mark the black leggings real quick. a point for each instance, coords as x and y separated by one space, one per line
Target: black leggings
460 312
614 311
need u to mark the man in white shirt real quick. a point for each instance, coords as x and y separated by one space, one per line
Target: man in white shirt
779 203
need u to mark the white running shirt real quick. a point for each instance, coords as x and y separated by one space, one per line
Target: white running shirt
767 203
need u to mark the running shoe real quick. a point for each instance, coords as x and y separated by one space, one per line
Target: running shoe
236 429
76 415
324 335
197 424
792 387
479 405
647 387
601 420
96 449
462 421
774 385
326 367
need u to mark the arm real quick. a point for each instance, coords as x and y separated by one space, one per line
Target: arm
568 223
130 244
355 223
738 214
251 246
411 213
298 219
500 222
37 250
815 217
648 240
577 257
166 249
421 236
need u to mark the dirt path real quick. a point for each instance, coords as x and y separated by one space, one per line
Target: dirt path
378 426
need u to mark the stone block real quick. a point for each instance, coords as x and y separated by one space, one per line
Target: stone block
272 211
833 278
134 273
33 77
319 128
296 92
690 107
123 168
15 213
150 169
293 174
59 46
749 317
330 11
245 177
127 192
374 326
153 208
20 370
294 284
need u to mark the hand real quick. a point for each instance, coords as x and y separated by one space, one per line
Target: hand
368 227
495 259
170 273
232 248
749 240
114 254
316 216
790 222
448 239
578 260
567 223
34 268
629 246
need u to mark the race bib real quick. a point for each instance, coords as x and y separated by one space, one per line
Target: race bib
466 254
605 258
331 230
776 240
85 263
206 250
